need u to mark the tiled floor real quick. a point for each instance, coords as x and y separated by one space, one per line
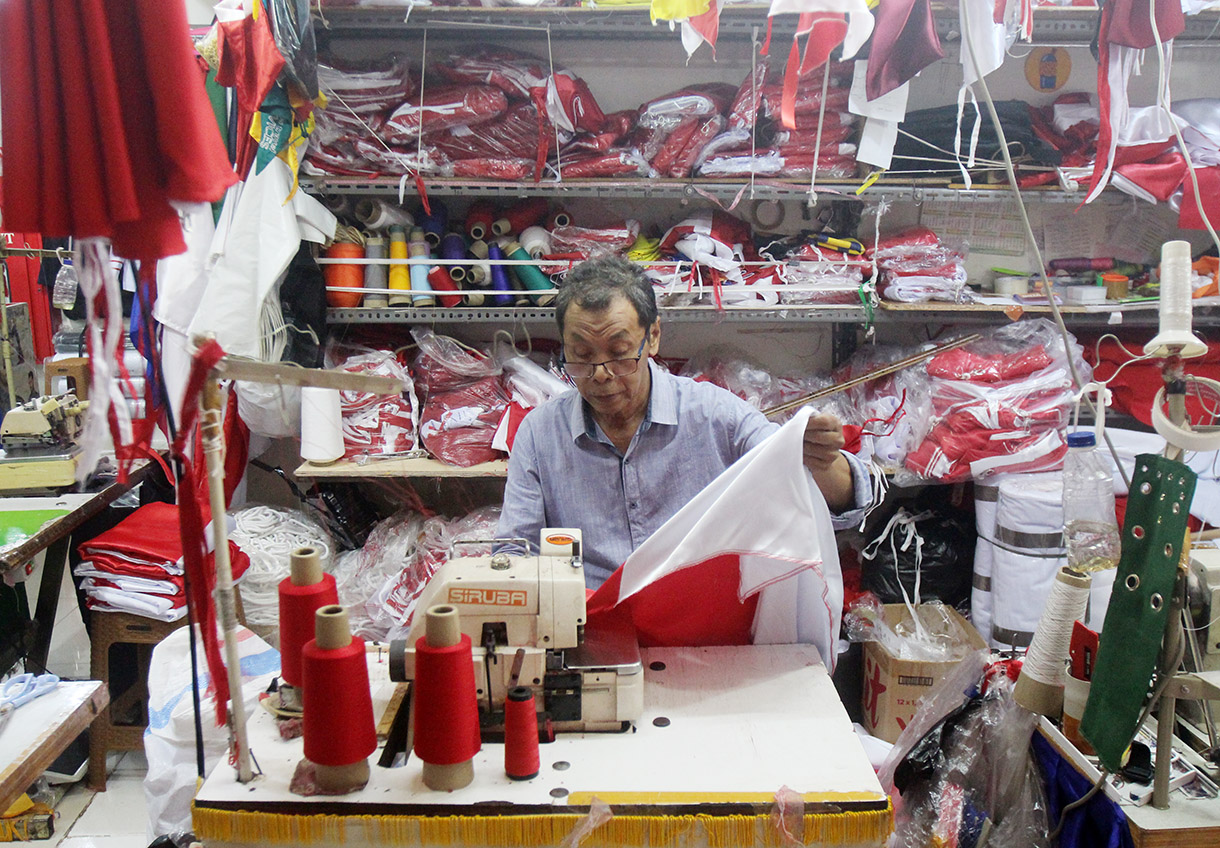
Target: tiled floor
115 818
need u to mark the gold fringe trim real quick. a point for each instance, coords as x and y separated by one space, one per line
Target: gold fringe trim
843 828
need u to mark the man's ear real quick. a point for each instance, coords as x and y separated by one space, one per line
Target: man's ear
654 338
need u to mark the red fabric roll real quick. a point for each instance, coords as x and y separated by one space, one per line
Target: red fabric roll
520 735
297 607
446 708
338 724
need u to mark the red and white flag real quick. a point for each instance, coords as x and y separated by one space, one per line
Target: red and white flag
751 559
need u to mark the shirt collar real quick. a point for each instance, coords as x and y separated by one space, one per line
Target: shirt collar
662 405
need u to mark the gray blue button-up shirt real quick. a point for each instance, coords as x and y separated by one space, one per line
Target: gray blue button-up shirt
565 472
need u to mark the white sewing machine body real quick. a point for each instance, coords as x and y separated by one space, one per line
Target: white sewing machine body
525 616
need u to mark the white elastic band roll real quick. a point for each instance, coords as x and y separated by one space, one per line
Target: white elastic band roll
321 433
986 496
536 241
1040 686
376 214
1028 553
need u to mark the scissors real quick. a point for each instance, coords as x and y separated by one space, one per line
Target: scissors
26 687
21 690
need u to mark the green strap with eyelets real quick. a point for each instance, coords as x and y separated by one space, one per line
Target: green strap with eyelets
1154 531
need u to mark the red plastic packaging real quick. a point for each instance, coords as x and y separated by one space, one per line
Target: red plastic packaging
707 130
512 72
674 144
743 113
444 107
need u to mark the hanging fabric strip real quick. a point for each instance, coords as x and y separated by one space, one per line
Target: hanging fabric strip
199 579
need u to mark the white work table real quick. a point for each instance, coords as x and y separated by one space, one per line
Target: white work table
723 730
40 730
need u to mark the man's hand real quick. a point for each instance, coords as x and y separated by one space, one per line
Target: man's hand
823 440
832 473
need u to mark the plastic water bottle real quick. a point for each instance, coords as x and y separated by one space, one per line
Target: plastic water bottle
1090 528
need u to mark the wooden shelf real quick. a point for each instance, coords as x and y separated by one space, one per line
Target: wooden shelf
398 467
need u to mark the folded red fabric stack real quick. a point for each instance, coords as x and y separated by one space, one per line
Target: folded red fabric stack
136 566
999 404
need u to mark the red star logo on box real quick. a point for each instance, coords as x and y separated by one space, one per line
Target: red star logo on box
873 688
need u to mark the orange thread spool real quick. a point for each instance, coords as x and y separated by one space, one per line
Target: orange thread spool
344 276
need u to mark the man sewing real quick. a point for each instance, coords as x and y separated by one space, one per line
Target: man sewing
633 444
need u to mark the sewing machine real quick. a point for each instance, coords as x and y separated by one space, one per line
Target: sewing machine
39 442
525 617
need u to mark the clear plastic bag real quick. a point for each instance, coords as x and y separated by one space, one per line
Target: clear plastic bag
464 399
970 771
375 425
389 553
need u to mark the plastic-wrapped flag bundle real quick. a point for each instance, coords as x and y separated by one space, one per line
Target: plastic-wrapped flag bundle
464 400
999 404
376 425
916 267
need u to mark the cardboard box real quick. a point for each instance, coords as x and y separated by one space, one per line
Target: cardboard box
894 688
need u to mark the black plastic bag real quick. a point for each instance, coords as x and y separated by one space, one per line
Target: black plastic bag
931 548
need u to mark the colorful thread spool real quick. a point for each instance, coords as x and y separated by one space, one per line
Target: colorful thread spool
375 282
439 280
306 589
479 275
434 223
558 218
342 275
400 277
536 241
453 246
520 215
499 277
529 275
446 710
479 218
417 248
338 724
520 734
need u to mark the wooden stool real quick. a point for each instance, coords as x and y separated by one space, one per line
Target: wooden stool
119 628
77 371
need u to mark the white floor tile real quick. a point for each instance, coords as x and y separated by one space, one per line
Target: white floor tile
133 764
68 810
119 811
121 841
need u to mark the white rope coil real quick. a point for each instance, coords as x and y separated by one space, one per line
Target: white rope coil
269 535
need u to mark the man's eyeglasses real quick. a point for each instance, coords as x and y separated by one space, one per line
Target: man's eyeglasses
615 367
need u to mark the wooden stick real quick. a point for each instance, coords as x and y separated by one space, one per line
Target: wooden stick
869 376
212 403
279 373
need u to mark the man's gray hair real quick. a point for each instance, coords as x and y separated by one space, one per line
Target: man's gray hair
594 283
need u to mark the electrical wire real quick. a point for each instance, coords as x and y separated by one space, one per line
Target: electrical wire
1032 240
1161 686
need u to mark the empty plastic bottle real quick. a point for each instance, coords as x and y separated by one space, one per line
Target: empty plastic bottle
1090 528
